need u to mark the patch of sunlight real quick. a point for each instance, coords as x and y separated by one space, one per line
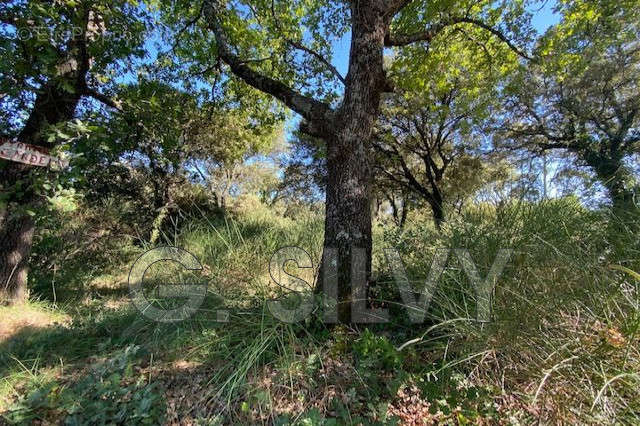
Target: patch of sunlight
13 319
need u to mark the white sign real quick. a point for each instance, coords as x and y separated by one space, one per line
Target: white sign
29 154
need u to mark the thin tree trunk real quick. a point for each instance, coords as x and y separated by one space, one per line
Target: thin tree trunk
394 209
405 211
438 214
436 201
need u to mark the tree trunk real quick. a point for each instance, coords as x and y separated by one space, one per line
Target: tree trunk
346 131
52 105
615 177
436 202
15 246
16 232
403 215
348 218
621 197
394 209
399 213
348 192
438 214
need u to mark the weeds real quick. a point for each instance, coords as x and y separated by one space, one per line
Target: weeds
562 345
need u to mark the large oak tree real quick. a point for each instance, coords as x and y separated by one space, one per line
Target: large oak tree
283 48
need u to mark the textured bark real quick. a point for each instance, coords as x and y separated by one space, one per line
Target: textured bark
348 202
15 246
348 218
16 232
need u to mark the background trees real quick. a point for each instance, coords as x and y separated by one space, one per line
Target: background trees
582 95
432 134
57 54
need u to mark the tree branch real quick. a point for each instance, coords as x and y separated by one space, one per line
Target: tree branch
399 40
319 57
106 100
396 6
189 23
412 182
311 109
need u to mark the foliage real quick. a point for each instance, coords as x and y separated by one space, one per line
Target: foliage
189 155
109 394
581 97
38 37
375 353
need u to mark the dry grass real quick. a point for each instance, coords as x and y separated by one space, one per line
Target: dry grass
14 319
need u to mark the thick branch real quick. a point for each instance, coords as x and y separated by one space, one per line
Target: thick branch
309 108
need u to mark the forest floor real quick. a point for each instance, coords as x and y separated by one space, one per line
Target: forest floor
563 345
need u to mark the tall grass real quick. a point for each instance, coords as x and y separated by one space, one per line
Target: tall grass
562 345
564 336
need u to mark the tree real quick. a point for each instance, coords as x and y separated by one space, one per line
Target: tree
251 171
281 48
583 96
431 133
427 139
54 55
164 137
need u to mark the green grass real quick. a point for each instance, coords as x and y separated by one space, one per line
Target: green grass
562 346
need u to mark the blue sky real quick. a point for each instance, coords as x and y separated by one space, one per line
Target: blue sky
543 17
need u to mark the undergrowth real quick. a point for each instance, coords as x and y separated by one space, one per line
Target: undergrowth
561 346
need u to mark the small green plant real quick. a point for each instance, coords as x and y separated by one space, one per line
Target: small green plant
110 394
376 352
378 363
